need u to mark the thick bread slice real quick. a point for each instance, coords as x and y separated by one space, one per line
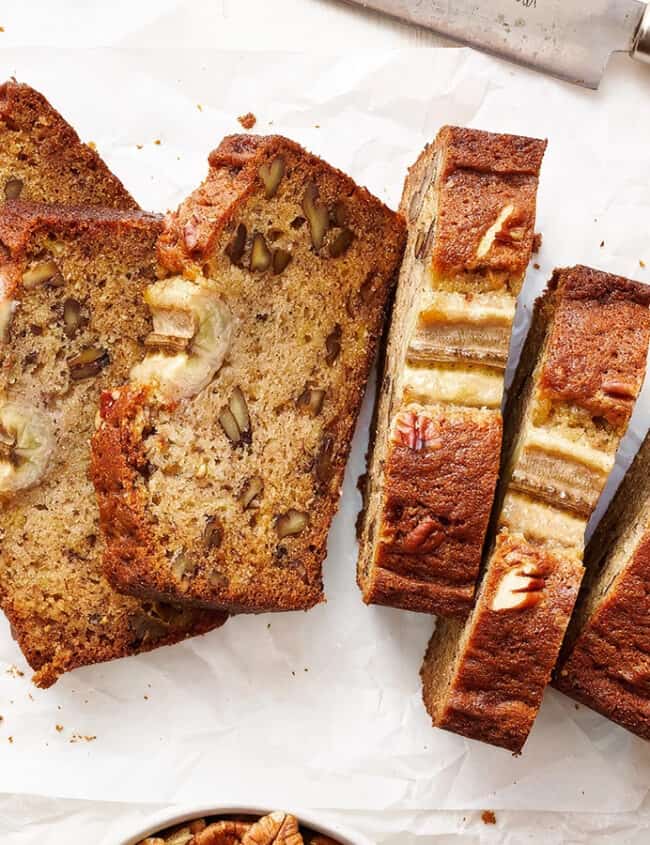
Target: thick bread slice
580 373
219 468
43 160
72 322
605 660
470 201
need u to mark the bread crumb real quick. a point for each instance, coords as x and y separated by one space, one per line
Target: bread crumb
139 146
82 738
199 106
15 672
11 740
247 120
157 142
641 263
602 244
2 29
537 242
146 698
488 817
536 266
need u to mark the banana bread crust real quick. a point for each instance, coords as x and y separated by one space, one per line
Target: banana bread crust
42 158
604 378
437 503
480 174
605 660
289 577
86 622
420 540
502 660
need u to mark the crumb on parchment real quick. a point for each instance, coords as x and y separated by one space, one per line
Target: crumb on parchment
59 728
641 263
247 120
82 738
15 672
488 817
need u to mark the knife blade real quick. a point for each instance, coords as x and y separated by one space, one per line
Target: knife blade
569 39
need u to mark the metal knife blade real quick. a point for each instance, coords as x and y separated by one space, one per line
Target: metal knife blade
569 39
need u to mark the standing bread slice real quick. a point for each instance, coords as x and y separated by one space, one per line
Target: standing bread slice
43 160
605 661
72 321
243 419
470 201
580 373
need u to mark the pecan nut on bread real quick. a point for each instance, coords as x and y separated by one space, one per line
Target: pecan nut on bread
42 158
580 373
72 321
219 466
470 201
605 660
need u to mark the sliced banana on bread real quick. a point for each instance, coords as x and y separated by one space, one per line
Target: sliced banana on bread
605 660
580 373
219 466
43 160
73 322
470 202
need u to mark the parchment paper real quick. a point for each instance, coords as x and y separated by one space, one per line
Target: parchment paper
323 709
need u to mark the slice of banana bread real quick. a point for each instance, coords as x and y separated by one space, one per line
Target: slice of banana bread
42 158
605 661
580 373
470 202
72 321
219 466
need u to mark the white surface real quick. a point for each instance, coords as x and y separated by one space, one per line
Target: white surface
307 25
323 709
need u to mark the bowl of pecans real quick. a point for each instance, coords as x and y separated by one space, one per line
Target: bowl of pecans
241 826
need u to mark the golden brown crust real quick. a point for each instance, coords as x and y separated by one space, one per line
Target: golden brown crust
290 576
498 666
597 353
605 660
508 656
437 503
608 668
481 173
457 190
44 152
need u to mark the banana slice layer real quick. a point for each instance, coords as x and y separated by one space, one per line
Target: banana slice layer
26 445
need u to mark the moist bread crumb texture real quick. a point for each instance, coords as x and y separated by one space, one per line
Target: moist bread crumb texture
219 466
72 321
581 370
470 205
605 660
43 160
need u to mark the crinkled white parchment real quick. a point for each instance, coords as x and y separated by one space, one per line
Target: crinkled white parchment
323 709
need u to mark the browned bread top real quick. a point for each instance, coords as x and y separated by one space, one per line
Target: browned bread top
42 158
597 347
481 174
243 472
192 231
605 661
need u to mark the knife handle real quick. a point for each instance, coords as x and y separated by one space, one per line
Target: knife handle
641 48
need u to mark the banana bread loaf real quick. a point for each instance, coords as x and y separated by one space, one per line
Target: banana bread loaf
605 660
72 321
581 370
42 158
219 466
470 203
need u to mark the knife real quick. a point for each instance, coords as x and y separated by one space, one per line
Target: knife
569 39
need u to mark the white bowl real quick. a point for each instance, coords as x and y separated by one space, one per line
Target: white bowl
164 820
